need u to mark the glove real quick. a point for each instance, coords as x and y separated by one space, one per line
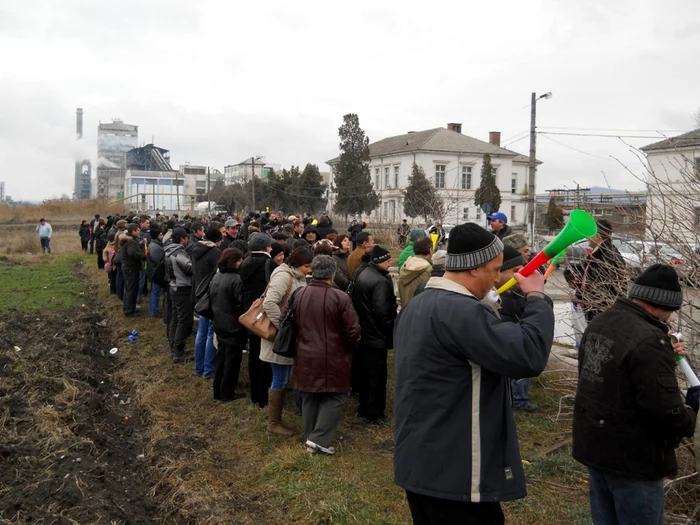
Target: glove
692 397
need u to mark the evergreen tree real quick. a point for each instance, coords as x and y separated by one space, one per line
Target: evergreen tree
488 192
352 182
420 198
555 215
312 190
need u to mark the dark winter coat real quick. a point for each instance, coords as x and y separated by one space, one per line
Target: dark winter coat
252 272
205 256
84 232
505 232
454 430
437 271
341 275
600 280
327 329
628 413
226 294
324 228
133 255
512 305
310 229
355 229
270 266
375 303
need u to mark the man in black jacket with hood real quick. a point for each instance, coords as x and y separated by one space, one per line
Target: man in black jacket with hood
252 272
601 279
375 303
205 256
628 413
133 256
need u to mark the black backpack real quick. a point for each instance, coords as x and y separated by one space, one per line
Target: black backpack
156 272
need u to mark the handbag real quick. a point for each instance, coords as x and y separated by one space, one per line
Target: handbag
285 344
256 320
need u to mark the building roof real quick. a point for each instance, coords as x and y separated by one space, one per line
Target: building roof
686 140
437 140
117 125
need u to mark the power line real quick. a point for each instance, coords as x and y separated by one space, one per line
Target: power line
601 135
618 129
577 150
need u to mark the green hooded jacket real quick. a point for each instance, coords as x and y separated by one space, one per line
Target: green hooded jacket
408 250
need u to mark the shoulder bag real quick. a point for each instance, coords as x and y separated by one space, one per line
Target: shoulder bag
256 320
285 344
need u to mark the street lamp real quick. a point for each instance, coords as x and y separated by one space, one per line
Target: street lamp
532 168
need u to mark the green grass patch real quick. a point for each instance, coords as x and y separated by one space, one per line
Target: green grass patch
48 284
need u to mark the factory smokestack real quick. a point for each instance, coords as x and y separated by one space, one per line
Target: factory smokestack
79 123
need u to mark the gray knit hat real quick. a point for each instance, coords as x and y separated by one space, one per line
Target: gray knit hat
470 247
517 241
511 258
658 286
258 242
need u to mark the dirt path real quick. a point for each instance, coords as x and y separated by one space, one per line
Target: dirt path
72 442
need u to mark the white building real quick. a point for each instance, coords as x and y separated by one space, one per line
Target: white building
673 184
243 171
155 191
2 191
452 162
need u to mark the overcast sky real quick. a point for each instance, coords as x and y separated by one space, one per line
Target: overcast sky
217 81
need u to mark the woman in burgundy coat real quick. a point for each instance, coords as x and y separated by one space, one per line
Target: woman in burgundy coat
327 330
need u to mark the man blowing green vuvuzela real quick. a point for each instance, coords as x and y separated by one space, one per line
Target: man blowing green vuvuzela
456 449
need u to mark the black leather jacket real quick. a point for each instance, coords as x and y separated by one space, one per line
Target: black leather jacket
375 303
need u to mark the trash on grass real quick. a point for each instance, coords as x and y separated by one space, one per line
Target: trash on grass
113 351
18 349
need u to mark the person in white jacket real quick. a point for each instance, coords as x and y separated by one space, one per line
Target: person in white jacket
45 232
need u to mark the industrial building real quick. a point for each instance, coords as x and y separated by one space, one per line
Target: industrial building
150 183
83 167
114 140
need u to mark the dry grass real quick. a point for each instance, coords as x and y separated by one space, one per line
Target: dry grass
24 241
210 457
57 210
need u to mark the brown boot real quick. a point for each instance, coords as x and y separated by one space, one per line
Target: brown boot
274 418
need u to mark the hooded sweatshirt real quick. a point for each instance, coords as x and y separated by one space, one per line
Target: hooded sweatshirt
408 250
415 271
205 256
178 266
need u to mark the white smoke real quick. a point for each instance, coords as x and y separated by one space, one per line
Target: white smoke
102 162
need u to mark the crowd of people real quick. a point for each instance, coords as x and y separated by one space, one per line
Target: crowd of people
463 355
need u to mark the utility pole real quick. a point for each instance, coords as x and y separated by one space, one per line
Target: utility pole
531 170
253 180
208 192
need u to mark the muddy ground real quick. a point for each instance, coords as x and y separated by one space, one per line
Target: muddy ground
72 442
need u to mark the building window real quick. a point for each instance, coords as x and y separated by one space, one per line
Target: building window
513 182
387 184
494 171
696 161
608 213
386 209
376 175
440 175
465 214
597 211
396 176
478 214
512 214
466 177
626 219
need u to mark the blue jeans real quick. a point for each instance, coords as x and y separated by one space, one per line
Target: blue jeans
617 500
142 283
45 244
280 376
521 392
204 350
155 298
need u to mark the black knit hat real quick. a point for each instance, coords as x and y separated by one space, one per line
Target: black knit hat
379 254
470 247
511 258
658 286
214 235
277 248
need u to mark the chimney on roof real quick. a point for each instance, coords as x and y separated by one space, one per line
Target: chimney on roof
495 138
455 126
